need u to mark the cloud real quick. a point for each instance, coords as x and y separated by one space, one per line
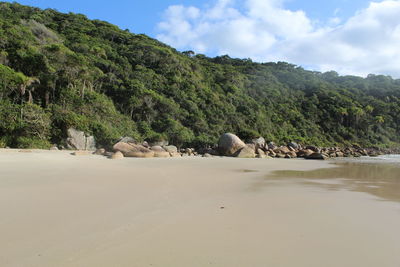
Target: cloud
265 30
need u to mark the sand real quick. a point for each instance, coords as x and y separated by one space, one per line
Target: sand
63 210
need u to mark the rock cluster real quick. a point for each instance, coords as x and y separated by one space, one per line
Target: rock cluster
229 145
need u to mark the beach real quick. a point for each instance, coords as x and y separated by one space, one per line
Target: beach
63 210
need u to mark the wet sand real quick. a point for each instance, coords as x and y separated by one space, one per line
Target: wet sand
61 210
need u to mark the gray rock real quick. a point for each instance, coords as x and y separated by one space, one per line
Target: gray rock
79 141
229 144
294 145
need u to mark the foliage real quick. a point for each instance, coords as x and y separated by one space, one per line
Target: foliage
64 70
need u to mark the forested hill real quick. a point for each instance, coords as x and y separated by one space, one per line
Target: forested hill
63 70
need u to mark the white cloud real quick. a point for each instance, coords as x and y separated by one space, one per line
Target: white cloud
264 30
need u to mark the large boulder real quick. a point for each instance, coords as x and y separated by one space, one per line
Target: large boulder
77 140
229 144
246 152
133 150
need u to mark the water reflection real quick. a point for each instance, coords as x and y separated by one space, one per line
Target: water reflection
381 180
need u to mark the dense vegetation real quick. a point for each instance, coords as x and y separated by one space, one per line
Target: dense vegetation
64 70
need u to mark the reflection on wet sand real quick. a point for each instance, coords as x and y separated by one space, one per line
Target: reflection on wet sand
380 180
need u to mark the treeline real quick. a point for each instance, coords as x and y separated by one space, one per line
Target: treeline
63 70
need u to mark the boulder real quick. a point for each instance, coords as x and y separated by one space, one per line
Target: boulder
159 152
229 144
291 154
294 145
304 153
145 144
133 150
259 142
246 152
317 156
79 141
260 152
313 148
171 149
206 155
175 154
271 145
117 155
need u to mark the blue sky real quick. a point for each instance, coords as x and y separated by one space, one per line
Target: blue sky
350 36
143 16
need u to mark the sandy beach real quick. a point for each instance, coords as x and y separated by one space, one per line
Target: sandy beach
63 210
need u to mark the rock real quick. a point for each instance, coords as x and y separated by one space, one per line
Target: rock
81 153
259 142
317 156
339 154
246 152
260 152
133 150
270 153
293 145
90 143
291 154
54 148
79 141
175 154
304 153
117 155
206 155
282 150
100 152
171 149
160 152
313 148
145 144
229 144
280 155
271 145
260 156
252 146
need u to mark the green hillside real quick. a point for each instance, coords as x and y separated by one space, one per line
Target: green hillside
63 70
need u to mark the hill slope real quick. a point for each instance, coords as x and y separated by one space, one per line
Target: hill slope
64 70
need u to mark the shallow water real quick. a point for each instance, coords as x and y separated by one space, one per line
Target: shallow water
379 176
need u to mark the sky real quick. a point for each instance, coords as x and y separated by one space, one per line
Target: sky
354 37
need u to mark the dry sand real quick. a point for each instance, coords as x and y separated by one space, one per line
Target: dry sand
61 210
